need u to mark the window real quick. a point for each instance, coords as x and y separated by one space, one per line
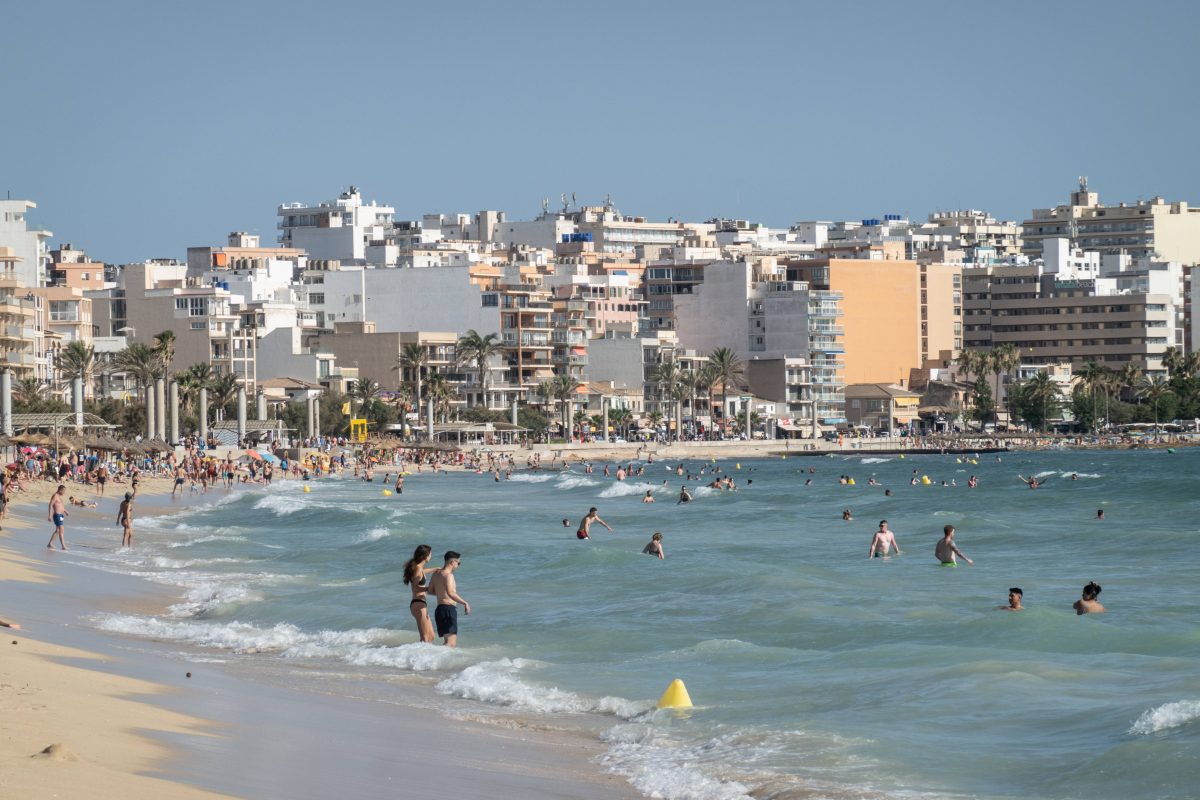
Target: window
491 300
199 326
317 298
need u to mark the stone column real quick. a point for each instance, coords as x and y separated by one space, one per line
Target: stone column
260 410
151 428
173 411
77 403
311 403
6 402
604 405
160 408
241 416
317 417
514 411
429 414
203 414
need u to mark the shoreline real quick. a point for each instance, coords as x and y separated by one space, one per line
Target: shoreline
203 737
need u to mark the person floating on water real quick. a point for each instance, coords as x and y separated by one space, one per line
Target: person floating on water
1014 600
1099 513
684 495
946 550
585 524
655 546
1031 481
1088 604
882 541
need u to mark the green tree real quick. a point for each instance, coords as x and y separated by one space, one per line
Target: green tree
140 363
1154 389
982 408
411 362
669 378
727 368
479 349
164 350
76 360
1037 399
562 388
223 393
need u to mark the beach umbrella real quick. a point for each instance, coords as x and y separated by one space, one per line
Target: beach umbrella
254 454
269 457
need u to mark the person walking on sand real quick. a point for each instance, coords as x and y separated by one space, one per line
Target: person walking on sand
655 546
57 513
882 541
415 576
125 518
445 616
585 524
946 550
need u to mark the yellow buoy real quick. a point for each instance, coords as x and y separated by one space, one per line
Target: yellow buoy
387 492
676 696
784 458
307 489
902 455
925 480
738 465
958 461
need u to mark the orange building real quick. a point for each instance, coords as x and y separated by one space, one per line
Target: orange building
881 313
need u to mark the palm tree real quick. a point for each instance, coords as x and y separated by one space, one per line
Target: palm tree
1172 361
1191 364
706 376
1002 360
76 360
1041 392
1091 377
1154 389
669 376
191 381
727 368
439 395
562 388
164 348
579 419
413 357
972 362
28 390
364 390
620 417
1131 377
224 391
480 349
140 362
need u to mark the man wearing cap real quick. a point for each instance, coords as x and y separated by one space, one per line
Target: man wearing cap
125 517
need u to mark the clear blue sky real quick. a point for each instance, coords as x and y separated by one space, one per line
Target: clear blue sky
141 128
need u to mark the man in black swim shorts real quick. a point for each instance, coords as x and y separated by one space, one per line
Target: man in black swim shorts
445 616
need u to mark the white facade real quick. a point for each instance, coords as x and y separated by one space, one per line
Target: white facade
409 300
341 229
29 245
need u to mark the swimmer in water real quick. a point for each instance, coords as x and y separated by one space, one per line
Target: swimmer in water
946 550
846 515
1088 604
882 541
585 524
887 492
1014 600
655 546
649 498
684 495
1099 513
1031 481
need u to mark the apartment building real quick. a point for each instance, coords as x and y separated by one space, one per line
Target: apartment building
1151 228
786 382
679 273
340 229
68 318
22 345
880 303
29 246
1076 307
71 267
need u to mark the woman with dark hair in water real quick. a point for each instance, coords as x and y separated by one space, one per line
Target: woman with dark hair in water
1088 604
414 576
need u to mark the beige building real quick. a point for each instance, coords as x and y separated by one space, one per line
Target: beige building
22 347
1149 228
881 406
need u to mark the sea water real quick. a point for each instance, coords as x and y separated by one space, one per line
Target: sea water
815 670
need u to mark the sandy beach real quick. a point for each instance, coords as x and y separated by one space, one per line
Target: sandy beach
89 714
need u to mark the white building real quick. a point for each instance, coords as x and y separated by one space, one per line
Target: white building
407 300
30 246
341 229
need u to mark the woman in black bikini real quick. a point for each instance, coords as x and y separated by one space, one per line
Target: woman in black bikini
414 576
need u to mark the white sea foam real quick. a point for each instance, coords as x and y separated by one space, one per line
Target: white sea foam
281 504
497 682
574 482
1167 716
361 647
373 535
624 489
531 477
212 537
875 460
660 767
1068 475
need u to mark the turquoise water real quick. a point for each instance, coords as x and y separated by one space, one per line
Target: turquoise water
815 671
